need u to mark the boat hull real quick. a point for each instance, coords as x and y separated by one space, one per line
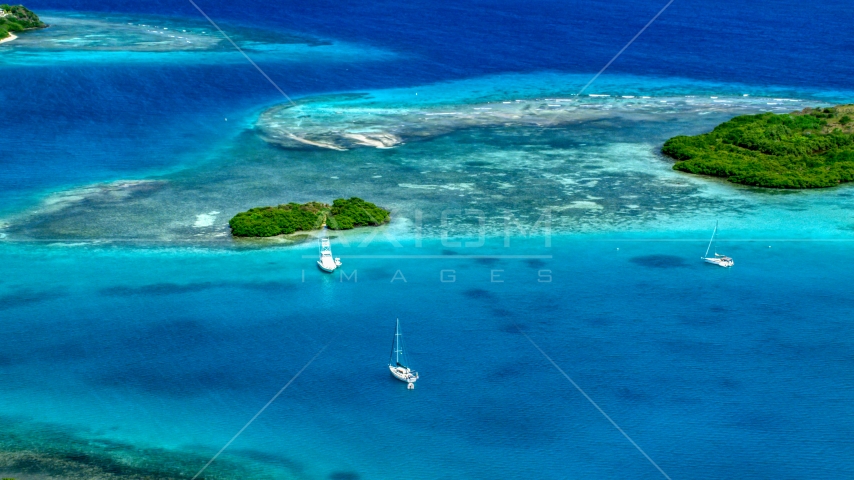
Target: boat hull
404 375
326 268
719 262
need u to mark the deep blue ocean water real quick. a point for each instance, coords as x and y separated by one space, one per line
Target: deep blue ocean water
741 373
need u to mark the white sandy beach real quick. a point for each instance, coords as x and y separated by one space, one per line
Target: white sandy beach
9 38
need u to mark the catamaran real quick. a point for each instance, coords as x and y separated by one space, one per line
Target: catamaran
397 363
718 259
326 262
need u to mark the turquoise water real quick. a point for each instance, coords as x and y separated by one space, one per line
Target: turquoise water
140 338
720 371
87 38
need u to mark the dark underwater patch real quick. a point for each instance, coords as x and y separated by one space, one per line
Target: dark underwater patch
659 261
25 297
269 458
478 294
477 163
344 476
486 261
625 393
509 370
167 288
535 263
512 328
729 383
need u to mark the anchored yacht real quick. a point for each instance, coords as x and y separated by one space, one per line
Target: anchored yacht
718 259
326 262
397 363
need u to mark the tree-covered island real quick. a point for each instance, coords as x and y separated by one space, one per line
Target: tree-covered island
294 217
813 148
17 19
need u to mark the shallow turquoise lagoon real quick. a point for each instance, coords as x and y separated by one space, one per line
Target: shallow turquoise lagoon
175 349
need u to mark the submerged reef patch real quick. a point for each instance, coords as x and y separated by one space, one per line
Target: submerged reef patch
590 164
352 121
92 32
105 33
75 213
51 452
94 37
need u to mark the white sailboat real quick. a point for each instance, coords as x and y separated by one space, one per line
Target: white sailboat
718 259
326 262
397 364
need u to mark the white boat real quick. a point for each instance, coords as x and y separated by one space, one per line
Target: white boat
397 364
326 262
718 259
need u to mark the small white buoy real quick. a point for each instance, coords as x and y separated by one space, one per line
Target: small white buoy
410 386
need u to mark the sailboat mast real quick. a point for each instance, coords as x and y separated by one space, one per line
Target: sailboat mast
397 343
393 346
711 240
